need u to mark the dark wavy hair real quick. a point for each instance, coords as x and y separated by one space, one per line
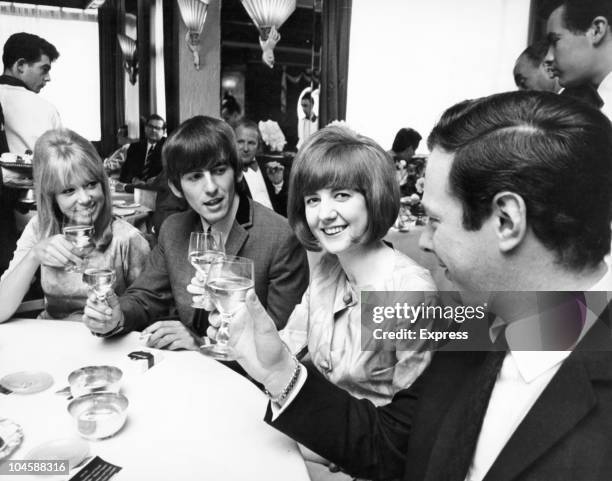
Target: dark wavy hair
27 46
553 151
405 138
200 143
579 14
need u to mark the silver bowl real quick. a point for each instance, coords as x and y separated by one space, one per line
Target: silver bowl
92 379
99 415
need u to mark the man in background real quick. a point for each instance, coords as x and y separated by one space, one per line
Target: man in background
532 73
310 123
265 183
27 62
143 160
580 46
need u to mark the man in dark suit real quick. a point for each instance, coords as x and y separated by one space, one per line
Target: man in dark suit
143 160
517 193
203 168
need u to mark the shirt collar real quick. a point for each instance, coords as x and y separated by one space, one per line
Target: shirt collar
224 225
533 363
605 86
15 82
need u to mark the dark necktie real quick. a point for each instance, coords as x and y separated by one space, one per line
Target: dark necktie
147 162
463 435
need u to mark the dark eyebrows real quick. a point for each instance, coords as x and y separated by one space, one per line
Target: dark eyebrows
551 37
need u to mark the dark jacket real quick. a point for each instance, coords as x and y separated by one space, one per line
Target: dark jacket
565 435
134 164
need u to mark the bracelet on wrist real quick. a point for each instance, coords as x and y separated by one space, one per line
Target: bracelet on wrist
290 385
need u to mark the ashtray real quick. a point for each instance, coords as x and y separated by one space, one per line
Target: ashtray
93 379
99 415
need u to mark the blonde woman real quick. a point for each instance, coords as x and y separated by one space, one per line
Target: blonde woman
71 186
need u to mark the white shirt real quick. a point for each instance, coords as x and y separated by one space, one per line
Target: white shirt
605 92
522 379
27 116
306 128
257 186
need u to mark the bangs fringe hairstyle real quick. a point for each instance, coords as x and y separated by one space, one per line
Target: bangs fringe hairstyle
200 143
63 158
338 158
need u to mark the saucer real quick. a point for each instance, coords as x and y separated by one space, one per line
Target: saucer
27 382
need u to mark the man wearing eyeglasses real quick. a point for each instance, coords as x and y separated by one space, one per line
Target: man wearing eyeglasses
143 159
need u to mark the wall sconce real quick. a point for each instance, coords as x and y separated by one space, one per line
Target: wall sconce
194 16
130 56
268 16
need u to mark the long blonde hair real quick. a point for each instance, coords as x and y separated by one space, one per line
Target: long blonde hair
61 158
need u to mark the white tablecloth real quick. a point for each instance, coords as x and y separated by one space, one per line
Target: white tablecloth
189 417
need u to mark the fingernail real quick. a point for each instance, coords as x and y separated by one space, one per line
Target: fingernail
108 311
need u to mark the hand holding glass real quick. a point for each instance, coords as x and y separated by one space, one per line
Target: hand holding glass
79 230
204 249
228 281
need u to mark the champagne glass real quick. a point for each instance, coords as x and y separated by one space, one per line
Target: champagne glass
204 249
100 281
228 281
78 228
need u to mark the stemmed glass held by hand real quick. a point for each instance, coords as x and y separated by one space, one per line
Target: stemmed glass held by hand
100 281
78 228
228 281
204 249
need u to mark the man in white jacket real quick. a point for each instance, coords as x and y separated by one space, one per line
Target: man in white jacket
27 61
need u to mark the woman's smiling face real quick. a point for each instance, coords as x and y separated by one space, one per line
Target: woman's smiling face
337 218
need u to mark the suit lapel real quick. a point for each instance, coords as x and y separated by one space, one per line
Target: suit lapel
239 234
568 398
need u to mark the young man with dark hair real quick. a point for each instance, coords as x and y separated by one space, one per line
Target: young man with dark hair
518 198
27 62
203 167
580 42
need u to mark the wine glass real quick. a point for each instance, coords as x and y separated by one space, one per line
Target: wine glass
100 281
228 281
78 228
204 248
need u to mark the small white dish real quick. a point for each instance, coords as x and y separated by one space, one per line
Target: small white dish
27 382
73 450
